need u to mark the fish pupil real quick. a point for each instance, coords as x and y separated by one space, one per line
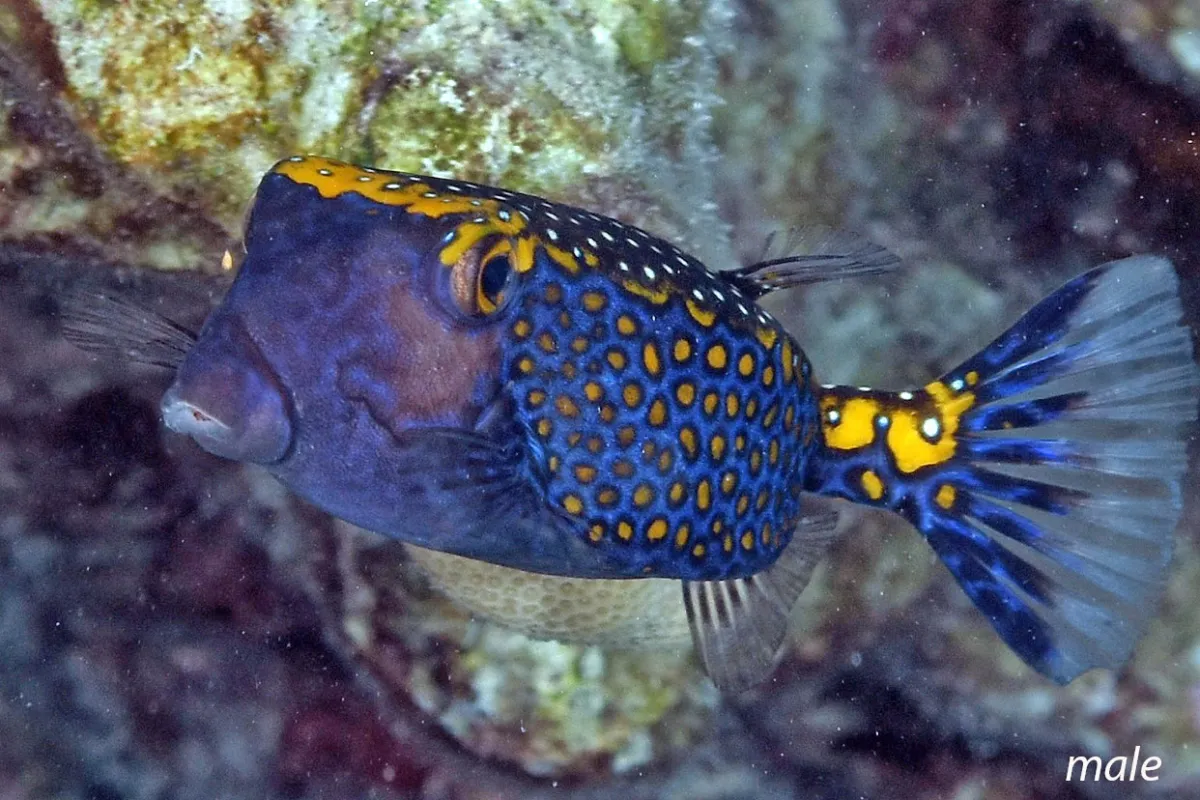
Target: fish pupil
494 277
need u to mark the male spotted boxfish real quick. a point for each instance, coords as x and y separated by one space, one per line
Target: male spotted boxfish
492 375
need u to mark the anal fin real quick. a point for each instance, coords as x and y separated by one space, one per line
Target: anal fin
739 625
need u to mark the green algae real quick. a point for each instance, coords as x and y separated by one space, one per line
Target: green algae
201 97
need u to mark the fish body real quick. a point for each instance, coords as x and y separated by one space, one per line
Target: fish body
487 374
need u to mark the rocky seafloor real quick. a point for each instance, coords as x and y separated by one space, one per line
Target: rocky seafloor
174 626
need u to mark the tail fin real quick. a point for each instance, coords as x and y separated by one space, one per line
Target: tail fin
1046 471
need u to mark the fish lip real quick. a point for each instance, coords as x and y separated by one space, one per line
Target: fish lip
184 418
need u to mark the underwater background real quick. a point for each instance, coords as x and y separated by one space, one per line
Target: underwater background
176 626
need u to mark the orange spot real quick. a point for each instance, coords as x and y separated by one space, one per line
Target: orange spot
632 395
651 358
701 315
585 473
946 496
683 350
685 393
718 357
657 530
657 416
872 485
624 530
626 326
572 504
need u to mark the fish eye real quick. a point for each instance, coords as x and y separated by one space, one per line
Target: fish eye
493 278
480 278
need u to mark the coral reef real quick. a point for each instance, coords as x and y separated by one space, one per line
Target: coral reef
176 626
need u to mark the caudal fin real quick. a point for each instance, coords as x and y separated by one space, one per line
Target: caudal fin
1048 470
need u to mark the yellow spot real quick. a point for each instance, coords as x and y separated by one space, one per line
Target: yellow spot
748 540
626 435
909 447
773 452
596 532
564 319
766 534
657 530
573 438
643 495
761 501
616 359
626 325
566 406
521 328
544 428
683 350
593 391
946 496
590 258
536 397
562 257
699 550
751 407
687 438
743 505
685 393
623 468
553 293
568 370
607 496
594 301
656 296
681 535
772 413
855 425
608 412
767 336
727 544
632 395
755 461
572 504
711 401
746 365
786 358
525 365
718 526
585 473
579 344
651 358
732 404
701 315
657 416
1006 425
768 375
716 446
872 485
729 482
704 495
526 247
717 356
972 378
227 261
677 493
624 530
739 443
664 460
595 444
789 418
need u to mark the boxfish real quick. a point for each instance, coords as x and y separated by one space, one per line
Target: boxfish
491 376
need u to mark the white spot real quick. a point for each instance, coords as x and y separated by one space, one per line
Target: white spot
717 294
430 194
864 388
454 187
883 421
364 178
743 309
681 260
607 236
325 172
632 243
477 203
504 215
655 248
667 269
296 159
552 215
592 242
956 384
479 220
449 237
931 428
833 415
649 273
696 293
578 253
624 267
553 234
906 395
391 186
414 178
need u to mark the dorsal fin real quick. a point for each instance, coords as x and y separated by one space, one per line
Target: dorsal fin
739 625
831 257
